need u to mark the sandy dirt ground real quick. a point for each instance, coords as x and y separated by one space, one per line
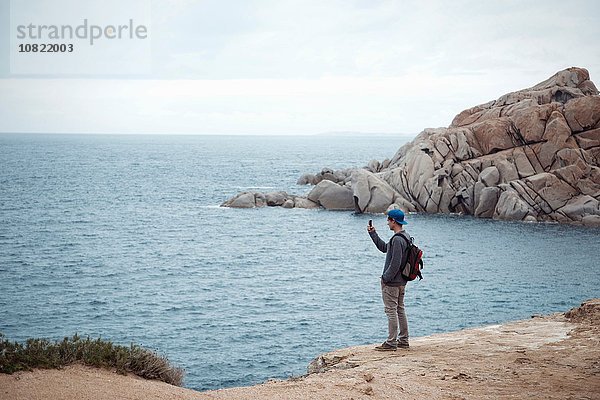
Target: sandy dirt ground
546 357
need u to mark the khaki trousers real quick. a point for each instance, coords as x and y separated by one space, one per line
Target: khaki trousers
393 302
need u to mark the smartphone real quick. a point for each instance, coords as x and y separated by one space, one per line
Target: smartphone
370 222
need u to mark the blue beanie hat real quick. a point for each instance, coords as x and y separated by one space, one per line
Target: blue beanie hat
398 216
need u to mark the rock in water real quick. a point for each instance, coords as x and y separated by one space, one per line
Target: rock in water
371 194
531 155
332 196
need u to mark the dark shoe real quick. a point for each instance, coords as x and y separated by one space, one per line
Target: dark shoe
403 345
385 347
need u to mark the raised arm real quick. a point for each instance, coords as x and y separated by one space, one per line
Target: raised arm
381 245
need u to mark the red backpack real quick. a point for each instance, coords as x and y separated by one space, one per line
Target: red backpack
414 261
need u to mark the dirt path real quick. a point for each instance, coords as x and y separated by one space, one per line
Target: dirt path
550 357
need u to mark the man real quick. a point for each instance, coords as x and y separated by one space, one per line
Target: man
392 283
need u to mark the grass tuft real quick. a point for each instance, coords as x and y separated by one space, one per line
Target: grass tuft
45 354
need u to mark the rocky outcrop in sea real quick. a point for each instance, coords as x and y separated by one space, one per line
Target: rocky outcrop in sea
531 155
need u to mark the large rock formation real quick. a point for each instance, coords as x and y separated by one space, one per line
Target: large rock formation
531 155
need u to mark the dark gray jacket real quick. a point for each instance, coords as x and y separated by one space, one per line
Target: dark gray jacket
395 250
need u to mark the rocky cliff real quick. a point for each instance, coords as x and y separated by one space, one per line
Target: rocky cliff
530 155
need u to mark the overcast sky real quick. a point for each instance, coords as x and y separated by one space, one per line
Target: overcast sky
306 67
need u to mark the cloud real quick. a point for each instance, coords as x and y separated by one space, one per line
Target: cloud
311 66
312 39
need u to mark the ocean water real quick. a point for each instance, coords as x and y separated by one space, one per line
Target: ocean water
122 237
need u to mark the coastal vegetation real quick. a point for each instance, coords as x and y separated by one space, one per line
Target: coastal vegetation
46 354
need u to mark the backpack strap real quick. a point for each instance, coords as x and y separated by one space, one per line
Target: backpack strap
408 242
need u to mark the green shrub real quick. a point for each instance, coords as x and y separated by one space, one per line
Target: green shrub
42 353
